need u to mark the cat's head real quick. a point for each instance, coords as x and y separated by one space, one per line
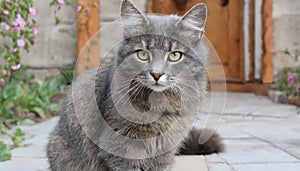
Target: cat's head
159 51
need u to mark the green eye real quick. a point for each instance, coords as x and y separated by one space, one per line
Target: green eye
175 56
143 55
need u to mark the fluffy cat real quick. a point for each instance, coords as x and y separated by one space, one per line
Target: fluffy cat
136 113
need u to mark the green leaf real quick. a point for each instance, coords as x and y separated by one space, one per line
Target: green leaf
28 122
19 133
3 129
39 111
287 52
57 20
12 92
54 107
18 137
5 154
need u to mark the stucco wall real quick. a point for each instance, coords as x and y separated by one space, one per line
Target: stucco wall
52 49
110 12
286 34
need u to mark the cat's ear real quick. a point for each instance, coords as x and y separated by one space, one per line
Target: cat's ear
128 9
132 18
195 19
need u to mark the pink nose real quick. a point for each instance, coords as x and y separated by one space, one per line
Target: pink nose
156 75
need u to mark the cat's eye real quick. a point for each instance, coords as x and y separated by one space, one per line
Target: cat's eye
175 56
143 55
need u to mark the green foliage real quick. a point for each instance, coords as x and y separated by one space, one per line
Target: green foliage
18 137
23 100
290 54
5 154
289 78
67 75
23 95
18 29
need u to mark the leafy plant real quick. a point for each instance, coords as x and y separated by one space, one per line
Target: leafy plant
5 154
24 96
67 74
289 78
24 100
18 29
18 137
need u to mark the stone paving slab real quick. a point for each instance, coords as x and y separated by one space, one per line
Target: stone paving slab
268 167
253 142
219 167
24 164
190 163
243 151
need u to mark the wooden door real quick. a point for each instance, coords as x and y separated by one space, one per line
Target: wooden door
224 29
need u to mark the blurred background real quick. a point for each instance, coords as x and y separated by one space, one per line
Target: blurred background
255 39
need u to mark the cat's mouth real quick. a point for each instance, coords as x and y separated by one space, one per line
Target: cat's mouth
158 87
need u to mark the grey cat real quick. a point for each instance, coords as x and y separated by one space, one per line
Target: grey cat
136 113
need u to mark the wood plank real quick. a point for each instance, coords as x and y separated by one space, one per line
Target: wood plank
171 6
88 26
236 40
252 41
267 61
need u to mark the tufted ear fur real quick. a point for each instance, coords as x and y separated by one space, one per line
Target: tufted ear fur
132 19
194 20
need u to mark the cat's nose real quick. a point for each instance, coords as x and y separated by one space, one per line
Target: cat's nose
156 75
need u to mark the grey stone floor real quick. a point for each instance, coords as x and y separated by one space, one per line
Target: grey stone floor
259 136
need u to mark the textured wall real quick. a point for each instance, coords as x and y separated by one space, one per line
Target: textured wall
286 14
110 12
53 49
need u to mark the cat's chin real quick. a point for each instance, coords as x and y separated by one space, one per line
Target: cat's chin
158 88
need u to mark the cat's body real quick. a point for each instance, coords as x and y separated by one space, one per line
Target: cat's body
135 113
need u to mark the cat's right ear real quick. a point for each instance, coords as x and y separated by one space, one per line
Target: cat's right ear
132 19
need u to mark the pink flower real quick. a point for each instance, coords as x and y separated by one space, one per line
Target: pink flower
61 1
14 50
16 67
7 27
5 12
16 29
298 89
20 42
19 22
5 72
8 1
2 80
35 30
78 8
291 78
32 11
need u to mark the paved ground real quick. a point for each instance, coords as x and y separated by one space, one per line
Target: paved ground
259 136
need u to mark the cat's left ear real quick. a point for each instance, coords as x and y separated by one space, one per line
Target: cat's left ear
195 19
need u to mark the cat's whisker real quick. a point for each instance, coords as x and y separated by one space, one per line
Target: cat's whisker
126 94
116 92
